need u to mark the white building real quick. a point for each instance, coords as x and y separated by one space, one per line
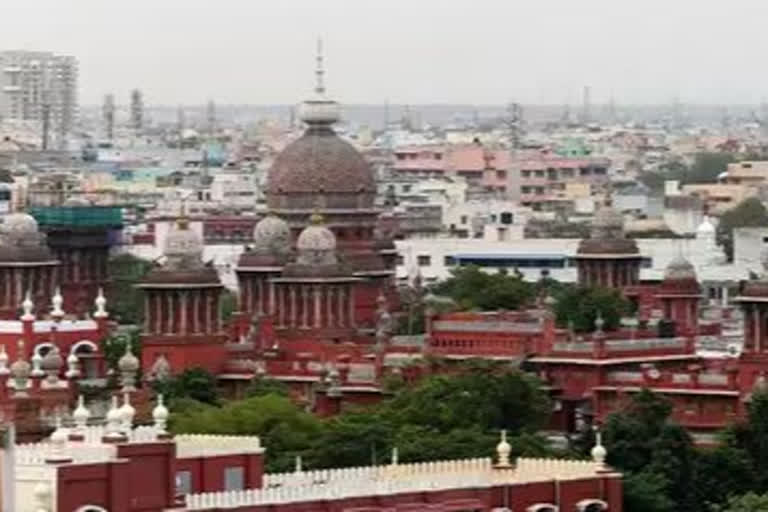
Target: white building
31 80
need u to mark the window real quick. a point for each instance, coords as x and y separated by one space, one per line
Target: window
501 175
407 188
234 479
494 219
399 260
507 218
183 483
464 219
424 260
449 261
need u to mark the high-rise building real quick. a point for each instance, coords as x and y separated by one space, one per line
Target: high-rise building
36 84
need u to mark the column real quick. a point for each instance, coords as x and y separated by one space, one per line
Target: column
293 304
259 306
279 309
215 297
18 292
158 312
317 305
210 327
147 313
724 300
304 307
272 309
340 305
183 316
351 295
757 334
196 312
329 306
169 313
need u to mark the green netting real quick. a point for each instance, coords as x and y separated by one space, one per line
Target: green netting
77 216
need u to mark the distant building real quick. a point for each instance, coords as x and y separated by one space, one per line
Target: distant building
30 82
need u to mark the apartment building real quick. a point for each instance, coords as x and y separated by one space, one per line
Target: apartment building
32 81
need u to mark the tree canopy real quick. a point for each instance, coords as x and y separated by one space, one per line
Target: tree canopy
126 305
473 288
580 306
443 417
749 213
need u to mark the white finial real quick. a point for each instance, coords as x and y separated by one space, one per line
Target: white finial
27 306
81 414
42 494
128 365
160 415
114 419
37 361
395 456
127 413
73 368
599 452
599 322
59 439
56 302
297 466
4 370
320 71
101 305
503 449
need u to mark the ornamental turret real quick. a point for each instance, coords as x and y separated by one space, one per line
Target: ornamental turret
608 258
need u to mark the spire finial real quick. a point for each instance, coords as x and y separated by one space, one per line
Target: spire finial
320 70
599 453
503 449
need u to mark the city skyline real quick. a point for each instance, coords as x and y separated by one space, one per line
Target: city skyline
418 53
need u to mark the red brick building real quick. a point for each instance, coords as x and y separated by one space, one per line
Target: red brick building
121 468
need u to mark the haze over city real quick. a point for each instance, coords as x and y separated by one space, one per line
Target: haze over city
418 52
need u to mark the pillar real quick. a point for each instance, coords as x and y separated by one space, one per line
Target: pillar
317 305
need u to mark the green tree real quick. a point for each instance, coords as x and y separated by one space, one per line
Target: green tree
472 288
280 424
114 346
581 306
749 213
643 441
193 383
227 304
646 492
126 304
261 386
707 167
749 502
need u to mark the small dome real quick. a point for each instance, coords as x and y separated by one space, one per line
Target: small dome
128 362
608 218
679 269
17 225
272 234
183 246
316 244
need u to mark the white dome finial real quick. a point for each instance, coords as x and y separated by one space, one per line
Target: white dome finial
127 413
160 416
81 414
27 306
319 111
503 449
599 453
101 305
56 302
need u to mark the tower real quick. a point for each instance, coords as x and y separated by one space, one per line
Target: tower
679 295
27 266
182 318
137 110
108 114
608 259
322 173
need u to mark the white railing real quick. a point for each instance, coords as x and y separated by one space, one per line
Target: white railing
202 445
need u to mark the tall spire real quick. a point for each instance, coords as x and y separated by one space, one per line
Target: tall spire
319 111
319 71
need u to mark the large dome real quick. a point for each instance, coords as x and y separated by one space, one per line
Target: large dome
22 242
320 170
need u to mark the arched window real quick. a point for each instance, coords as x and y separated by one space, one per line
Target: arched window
43 348
542 507
89 366
591 506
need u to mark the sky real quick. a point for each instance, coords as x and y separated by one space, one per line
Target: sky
404 51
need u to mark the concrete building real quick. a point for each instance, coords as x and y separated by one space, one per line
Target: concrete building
31 81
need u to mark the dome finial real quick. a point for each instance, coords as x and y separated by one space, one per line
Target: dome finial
320 71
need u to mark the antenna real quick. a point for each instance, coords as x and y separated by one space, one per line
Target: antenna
46 115
319 71
137 110
514 122
586 106
210 115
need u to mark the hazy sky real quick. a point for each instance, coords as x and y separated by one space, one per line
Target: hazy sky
407 51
